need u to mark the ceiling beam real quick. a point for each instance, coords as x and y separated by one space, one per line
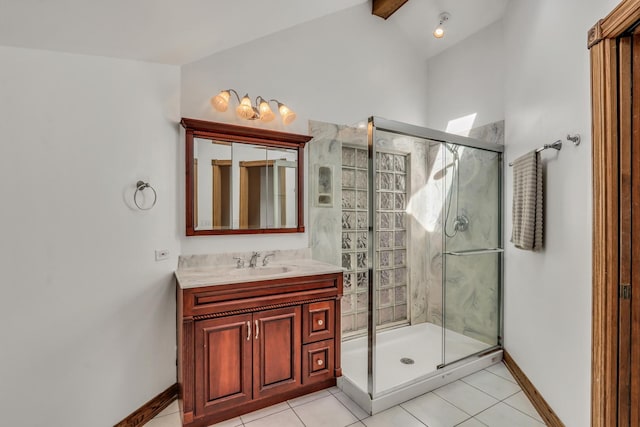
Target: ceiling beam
386 8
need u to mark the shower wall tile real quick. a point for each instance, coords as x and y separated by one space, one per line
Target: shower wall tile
492 132
472 296
471 288
325 223
414 166
348 220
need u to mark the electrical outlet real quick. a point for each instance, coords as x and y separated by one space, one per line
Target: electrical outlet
162 254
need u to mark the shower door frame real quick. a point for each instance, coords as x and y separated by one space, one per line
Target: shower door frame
379 124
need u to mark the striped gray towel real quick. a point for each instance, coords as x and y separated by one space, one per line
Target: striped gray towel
527 202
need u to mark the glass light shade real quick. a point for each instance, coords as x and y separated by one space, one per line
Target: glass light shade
221 101
245 109
438 32
288 116
266 114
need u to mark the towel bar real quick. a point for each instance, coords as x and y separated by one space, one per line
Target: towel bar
558 144
475 252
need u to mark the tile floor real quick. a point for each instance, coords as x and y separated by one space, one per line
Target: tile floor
490 397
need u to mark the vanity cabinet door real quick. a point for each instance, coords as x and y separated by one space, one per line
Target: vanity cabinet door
276 351
223 363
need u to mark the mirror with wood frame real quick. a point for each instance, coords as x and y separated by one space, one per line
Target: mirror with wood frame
242 180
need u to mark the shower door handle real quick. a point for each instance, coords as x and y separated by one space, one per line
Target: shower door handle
475 252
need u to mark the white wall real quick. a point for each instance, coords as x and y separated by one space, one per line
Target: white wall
88 316
341 68
548 294
467 79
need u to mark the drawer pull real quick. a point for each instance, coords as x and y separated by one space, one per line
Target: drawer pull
320 362
257 329
248 330
320 322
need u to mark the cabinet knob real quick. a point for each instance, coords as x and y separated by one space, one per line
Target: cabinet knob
320 322
320 362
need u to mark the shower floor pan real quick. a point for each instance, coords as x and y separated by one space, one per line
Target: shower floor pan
420 343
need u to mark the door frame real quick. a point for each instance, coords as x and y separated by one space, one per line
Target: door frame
217 191
244 187
606 213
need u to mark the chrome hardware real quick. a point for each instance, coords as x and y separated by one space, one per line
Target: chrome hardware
320 362
254 259
239 262
265 260
475 252
575 139
625 291
461 223
140 187
557 145
320 322
257 329
248 330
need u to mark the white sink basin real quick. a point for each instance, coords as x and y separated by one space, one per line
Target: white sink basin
261 271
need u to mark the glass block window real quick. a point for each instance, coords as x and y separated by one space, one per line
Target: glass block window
391 251
355 245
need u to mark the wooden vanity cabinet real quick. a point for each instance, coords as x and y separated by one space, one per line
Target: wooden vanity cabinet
245 346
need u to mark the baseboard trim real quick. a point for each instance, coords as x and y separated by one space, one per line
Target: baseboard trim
146 412
541 405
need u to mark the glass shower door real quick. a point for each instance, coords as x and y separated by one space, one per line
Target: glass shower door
472 255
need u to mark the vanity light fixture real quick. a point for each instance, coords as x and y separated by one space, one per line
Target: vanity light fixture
439 31
261 110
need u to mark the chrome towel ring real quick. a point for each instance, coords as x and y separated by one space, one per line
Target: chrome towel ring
140 187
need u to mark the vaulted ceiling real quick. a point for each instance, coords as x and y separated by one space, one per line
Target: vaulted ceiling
179 32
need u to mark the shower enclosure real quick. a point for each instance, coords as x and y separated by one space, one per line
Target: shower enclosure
420 239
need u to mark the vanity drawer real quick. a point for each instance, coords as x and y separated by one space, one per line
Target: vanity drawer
208 300
317 361
317 321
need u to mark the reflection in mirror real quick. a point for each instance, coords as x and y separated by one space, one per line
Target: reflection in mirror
242 180
212 184
257 182
267 190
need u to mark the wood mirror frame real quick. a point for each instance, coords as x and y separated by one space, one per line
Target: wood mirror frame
244 135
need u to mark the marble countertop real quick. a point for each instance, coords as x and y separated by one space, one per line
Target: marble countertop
211 275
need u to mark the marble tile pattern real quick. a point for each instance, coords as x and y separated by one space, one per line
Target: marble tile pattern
472 282
472 288
227 258
325 223
492 132
217 269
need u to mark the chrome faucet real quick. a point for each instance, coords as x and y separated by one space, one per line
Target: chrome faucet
265 260
254 259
